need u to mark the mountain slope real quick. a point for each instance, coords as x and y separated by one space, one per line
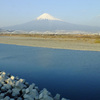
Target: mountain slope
47 22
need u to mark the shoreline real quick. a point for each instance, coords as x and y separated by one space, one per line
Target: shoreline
56 43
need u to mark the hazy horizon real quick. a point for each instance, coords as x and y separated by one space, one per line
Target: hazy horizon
85 12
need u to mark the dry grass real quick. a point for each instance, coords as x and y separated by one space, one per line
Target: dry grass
97 41
64 37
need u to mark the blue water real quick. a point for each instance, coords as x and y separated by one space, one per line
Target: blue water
72 73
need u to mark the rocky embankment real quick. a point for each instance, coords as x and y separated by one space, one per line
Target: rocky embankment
13 88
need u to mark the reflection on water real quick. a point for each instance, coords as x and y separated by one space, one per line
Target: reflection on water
73 74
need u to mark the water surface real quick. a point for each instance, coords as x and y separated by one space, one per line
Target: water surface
72 73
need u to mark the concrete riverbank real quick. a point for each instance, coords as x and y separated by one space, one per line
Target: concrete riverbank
14 88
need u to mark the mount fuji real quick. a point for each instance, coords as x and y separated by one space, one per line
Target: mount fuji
46 22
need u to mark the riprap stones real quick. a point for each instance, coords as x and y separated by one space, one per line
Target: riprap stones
13 88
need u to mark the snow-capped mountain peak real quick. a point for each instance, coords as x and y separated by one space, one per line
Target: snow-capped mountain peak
46 16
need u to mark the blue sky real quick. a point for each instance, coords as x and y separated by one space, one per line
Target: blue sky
75 11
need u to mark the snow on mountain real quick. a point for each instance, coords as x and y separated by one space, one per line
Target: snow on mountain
46 16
